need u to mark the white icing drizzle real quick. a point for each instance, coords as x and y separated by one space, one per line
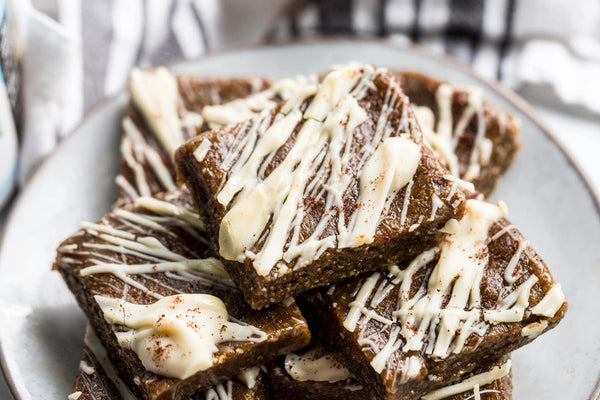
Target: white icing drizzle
243 109
510 274
126 186
357 306
389 169
249 376
439 316
550 303
458 273
472 383
512 307
86 368
136 151
534 329
156 95
324 141
202 150
74 396
316 365
443 138
132 237
172 210
178 335
221 391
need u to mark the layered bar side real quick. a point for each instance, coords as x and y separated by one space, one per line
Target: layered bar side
330 183
164 306
481 293
97 380
316 373
476 140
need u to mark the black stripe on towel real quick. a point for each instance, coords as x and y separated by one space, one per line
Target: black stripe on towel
464 25
335 17
507 37
415 31
382 28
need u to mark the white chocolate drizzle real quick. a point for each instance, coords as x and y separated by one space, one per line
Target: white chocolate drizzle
156 95
473 383
240 110
86 368
75 395
444 137
550 303
438 317
178 335
202 150
316 365
249 376
534 329
134 235
316 167
221 391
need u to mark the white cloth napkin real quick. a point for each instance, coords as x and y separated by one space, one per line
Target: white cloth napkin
549 50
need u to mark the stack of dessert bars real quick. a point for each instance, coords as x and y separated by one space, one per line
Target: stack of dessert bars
316 237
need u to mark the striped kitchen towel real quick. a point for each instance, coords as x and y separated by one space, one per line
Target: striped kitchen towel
547 48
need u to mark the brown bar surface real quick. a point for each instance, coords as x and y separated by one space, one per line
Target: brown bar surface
371 319
153 234
473 121
409 223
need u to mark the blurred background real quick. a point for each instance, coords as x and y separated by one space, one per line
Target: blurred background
61 57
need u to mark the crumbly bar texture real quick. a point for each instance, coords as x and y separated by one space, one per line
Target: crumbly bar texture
152 250
477 140
316 373
481 293
146 165
96 380
333 182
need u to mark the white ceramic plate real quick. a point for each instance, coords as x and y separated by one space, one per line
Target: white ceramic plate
41 328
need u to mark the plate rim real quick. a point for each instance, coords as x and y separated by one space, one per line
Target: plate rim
508 94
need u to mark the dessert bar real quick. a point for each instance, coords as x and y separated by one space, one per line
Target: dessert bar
97 380
164 111
476 140
330 183
481 293
163 305
315 373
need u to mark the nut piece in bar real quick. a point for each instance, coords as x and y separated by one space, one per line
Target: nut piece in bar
476 140
333 182
479 294
97 380
315 373
163 305
164 111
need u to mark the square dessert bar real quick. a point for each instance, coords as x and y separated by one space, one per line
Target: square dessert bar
164 111
96 380
163 305
333 182
481 293
476 140
316 373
